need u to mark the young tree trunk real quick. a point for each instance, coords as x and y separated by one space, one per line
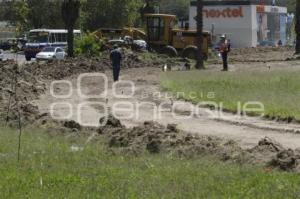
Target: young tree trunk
297 28
70 13
199 19
70 41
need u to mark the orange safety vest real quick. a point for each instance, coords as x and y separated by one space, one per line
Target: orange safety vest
224 47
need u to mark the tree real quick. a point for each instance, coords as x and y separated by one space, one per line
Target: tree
297 27
113 14
180 8
147 8
70 14
49 18
199 19
16 12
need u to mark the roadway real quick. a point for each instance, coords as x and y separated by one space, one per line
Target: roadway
19 57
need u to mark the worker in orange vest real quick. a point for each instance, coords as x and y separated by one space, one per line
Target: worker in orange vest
224 49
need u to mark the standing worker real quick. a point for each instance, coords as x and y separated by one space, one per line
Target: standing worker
224 50
116 58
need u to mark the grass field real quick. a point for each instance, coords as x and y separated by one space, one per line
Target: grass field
279 91
50 169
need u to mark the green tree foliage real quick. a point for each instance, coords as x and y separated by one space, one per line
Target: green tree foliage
17 12
87 45
28 14
45 14
110 13
180 8
148 7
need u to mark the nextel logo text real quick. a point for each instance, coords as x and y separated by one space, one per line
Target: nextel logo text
224 13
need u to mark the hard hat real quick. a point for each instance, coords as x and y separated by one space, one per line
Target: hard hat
223 36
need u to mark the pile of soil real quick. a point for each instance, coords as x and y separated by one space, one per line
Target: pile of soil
273 154
261 54
154 138
20 94
31 78
60 69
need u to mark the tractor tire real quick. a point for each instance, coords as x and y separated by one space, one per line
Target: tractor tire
191 53
170 51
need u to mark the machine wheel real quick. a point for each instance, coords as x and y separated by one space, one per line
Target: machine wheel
170 51
28 58
190 52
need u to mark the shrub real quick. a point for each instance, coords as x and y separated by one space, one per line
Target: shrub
88 44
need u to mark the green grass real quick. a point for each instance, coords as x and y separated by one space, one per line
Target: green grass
279 91
49 169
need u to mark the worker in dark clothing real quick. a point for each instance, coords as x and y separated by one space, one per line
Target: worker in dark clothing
116 58
224 48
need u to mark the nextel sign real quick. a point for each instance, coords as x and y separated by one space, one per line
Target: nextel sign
224 13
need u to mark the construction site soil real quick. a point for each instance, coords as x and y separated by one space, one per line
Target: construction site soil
20 85
262 54
155 138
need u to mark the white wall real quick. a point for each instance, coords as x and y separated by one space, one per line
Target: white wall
240 30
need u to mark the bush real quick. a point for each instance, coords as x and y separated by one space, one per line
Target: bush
88 44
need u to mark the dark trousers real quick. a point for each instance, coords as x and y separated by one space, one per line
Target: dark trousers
225 60
116 72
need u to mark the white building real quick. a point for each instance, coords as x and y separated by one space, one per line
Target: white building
247 23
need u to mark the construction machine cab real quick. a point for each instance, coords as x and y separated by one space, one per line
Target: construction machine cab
159 28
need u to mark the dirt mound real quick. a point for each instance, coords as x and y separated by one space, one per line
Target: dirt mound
17 83
287 160
60 69
273 154
72 125
31 77
155 138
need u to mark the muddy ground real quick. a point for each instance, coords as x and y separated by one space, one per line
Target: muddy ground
263 54
249 140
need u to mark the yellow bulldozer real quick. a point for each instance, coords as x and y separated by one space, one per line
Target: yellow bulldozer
162 36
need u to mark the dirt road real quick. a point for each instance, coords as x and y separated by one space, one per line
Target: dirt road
144 100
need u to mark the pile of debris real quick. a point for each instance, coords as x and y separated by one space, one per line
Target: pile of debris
18 88
273 154
155 138
31 78
59 69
